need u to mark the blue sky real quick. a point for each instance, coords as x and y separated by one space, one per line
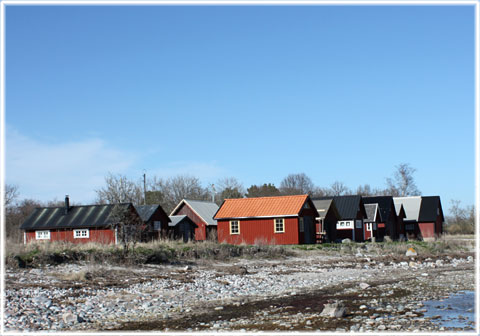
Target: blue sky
256 92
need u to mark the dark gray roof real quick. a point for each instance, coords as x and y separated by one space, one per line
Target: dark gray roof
371 210
347 205
428 209
146 211
177 219
83 216
206 210
385 203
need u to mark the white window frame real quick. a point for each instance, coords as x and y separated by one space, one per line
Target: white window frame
282 223
81 233
368 226
346 224
232 223
301 224
42 235
159 223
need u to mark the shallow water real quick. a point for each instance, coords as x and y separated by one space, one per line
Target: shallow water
457 311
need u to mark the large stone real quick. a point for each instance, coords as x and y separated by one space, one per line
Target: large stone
346 241
69 318
42 301
335 309
411 252
238 270
363 285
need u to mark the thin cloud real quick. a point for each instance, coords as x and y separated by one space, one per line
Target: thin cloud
47 171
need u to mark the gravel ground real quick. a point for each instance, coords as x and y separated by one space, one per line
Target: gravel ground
289 294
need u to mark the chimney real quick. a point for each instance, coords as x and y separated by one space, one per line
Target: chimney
67 204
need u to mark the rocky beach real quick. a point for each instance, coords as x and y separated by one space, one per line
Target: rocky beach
310 291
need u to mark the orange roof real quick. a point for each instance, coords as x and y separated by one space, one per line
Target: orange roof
261 207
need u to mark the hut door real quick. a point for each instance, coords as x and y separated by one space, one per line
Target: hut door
309 230
186 232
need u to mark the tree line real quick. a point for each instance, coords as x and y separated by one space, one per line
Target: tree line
168 192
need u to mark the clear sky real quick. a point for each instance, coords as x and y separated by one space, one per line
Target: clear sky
255 92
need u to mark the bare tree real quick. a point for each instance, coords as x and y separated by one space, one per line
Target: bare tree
295 184
366 190
229 187
119 189
11 194
15 215
263 191
461 220
402 183
171 191
128 226
338 189
321 192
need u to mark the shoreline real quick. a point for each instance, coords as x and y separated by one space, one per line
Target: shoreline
242 294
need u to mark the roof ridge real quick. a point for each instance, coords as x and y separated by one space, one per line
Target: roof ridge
79 206
282 196
192 200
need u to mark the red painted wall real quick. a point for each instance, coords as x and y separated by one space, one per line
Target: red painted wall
259 231
427 230
200 231
368 234
103 236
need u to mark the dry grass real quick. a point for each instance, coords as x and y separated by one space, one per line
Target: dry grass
156 252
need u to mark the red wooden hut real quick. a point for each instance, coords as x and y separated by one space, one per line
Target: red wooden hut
424 216
201 213
389 223
77 224
275 220
352 213
155 219
371 222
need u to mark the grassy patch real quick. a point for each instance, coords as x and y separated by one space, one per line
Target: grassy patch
159 252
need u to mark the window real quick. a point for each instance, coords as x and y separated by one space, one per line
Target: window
369 226
279 225
301 226
306 206
235 227
45 234
345 225
157 225
358 224
81 233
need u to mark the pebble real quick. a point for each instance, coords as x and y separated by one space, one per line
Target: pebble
45 306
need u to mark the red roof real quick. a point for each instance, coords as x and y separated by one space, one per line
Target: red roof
261 207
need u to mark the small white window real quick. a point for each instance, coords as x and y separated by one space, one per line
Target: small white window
306 206
157 225
301 226
81 233
44 234
279 225
235 227
369 226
